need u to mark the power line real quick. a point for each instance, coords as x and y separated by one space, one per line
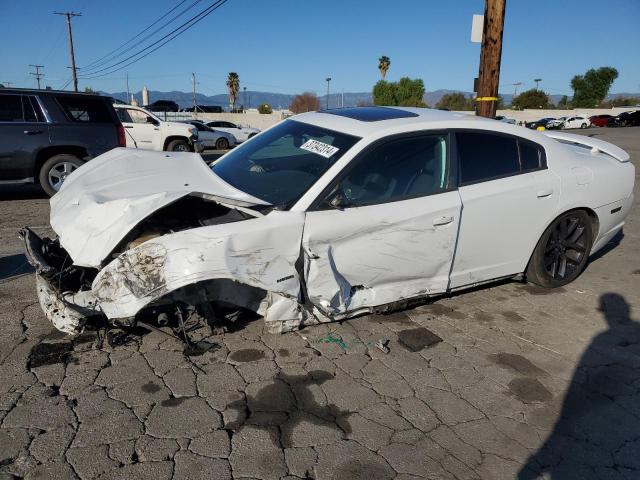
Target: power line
112 55
37 73
73 58
170 36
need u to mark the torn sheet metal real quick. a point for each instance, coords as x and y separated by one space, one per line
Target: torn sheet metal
94 210
364 257
259 252
67 312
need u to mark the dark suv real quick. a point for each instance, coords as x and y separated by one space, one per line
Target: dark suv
46 134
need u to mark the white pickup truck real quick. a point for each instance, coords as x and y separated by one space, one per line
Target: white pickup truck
144 130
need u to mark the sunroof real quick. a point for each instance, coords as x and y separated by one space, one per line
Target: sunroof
370 114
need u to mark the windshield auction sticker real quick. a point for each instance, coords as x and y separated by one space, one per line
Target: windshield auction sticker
320 148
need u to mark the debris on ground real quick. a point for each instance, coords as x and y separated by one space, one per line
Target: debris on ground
415 339
382 345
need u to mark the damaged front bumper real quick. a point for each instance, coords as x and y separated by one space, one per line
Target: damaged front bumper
67 311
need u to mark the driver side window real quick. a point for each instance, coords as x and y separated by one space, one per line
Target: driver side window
397 170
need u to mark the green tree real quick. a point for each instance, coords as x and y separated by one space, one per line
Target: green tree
455 101
384 93
88 90
265 108
406 92
621 102
564 102
590 89
384 63
233 84
531 99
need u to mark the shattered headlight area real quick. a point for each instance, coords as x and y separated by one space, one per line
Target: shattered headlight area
64 290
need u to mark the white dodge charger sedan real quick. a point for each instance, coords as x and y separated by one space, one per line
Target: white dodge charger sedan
325 216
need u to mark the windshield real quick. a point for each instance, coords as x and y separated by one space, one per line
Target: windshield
280 165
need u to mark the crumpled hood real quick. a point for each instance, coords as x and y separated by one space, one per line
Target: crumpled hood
103 200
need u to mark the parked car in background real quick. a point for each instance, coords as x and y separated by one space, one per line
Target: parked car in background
145 130
539 123
213 138
625 119
240 133
46 134
600 120
204 109
163 106
576 122
504 119
556 123
328 216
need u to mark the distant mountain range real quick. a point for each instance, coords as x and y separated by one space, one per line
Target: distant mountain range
251 99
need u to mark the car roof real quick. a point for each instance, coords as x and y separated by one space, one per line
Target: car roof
35 91
348 120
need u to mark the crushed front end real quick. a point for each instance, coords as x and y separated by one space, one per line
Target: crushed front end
64 289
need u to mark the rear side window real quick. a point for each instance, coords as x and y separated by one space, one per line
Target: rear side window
84 109
484 156
19 108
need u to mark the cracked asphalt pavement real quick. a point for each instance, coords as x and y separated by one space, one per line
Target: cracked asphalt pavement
509 381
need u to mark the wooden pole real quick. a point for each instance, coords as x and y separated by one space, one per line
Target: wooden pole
490 55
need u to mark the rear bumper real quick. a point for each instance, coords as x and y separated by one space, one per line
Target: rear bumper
67 311
198 146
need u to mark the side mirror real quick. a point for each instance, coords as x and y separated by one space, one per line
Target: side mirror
336 200
152 121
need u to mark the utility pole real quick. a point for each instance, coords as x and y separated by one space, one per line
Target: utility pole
73 58
328 80
537 80
515 88
193 80
37 73
490 56
342 100
128 93
245 98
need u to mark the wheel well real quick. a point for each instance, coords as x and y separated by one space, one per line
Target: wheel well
595 224
168 140
48 152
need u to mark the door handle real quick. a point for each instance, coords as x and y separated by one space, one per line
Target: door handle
128 126
32 132
545 193
437 222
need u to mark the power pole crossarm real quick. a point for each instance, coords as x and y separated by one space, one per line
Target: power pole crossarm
37 73
73 58
490 57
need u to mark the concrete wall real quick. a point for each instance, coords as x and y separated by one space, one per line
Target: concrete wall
248 119
534 114
258 120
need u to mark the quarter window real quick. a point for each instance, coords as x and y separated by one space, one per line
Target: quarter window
398 170
530 156
84 109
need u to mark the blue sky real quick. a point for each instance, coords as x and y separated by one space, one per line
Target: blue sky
289 46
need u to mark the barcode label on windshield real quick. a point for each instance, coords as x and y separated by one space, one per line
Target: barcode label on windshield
320 148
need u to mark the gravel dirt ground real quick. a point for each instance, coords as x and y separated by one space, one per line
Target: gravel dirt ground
508 381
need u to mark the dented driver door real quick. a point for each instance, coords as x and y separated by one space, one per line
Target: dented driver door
387 229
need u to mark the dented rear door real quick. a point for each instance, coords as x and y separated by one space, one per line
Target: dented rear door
367 255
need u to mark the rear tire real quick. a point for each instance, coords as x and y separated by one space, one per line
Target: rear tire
562 252
222 144
584 125
178 145
55 170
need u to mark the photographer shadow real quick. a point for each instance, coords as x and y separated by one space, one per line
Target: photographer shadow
597 434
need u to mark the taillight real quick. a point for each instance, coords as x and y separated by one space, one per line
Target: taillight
122 139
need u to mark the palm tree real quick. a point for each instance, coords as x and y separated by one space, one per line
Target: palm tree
383 65
233 83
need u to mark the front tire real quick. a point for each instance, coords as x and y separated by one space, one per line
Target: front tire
55 170
222 144
584 125
179 145
562 252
